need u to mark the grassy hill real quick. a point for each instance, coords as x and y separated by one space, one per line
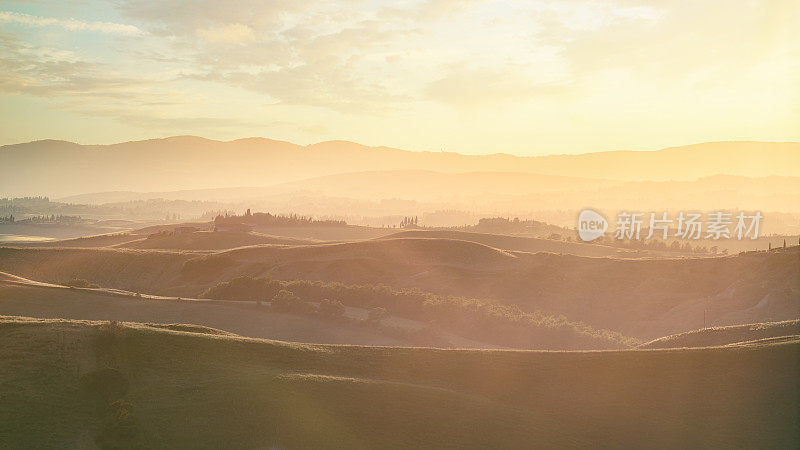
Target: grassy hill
645 299
242 319
413 317
93 241
707 337
518 243
209 240
79 384
166 238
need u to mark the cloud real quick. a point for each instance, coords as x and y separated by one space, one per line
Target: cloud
429 11
304 65
227 34
467 87
667 42
314 129
69 24
400 63
185 17
299 53
49 72
94 90
169 124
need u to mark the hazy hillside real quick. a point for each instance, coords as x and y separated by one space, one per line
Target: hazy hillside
209 240
62 168
246 305
426 185
708 337
242 319
81 384
519 243
645 299
514 191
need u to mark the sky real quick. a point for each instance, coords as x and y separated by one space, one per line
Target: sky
521 77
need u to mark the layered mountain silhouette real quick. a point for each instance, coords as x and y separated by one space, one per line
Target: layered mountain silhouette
60 168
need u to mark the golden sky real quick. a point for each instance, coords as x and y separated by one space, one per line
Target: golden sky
527 77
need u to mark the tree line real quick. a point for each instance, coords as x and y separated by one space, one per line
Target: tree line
259 218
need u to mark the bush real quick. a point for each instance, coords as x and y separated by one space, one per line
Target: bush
285 301
79 283
244 288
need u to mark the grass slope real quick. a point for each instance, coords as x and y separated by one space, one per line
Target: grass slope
520 243
209 240
645 299
707 337
242 319
76 383
99 240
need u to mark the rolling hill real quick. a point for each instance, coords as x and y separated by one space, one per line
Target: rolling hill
250 315
708 337
519 243
83 384
645 299
241 318
209 240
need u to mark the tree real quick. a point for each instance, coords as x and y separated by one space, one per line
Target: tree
286 301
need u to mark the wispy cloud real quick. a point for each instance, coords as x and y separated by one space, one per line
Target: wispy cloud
69 24
228 34
43 71
425 70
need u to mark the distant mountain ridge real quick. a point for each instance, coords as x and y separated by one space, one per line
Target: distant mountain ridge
60 168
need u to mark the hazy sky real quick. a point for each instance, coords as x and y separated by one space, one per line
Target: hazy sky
467 76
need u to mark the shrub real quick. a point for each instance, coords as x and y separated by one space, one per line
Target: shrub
244 288
285 301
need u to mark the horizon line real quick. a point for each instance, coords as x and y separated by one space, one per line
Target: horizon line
383 147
